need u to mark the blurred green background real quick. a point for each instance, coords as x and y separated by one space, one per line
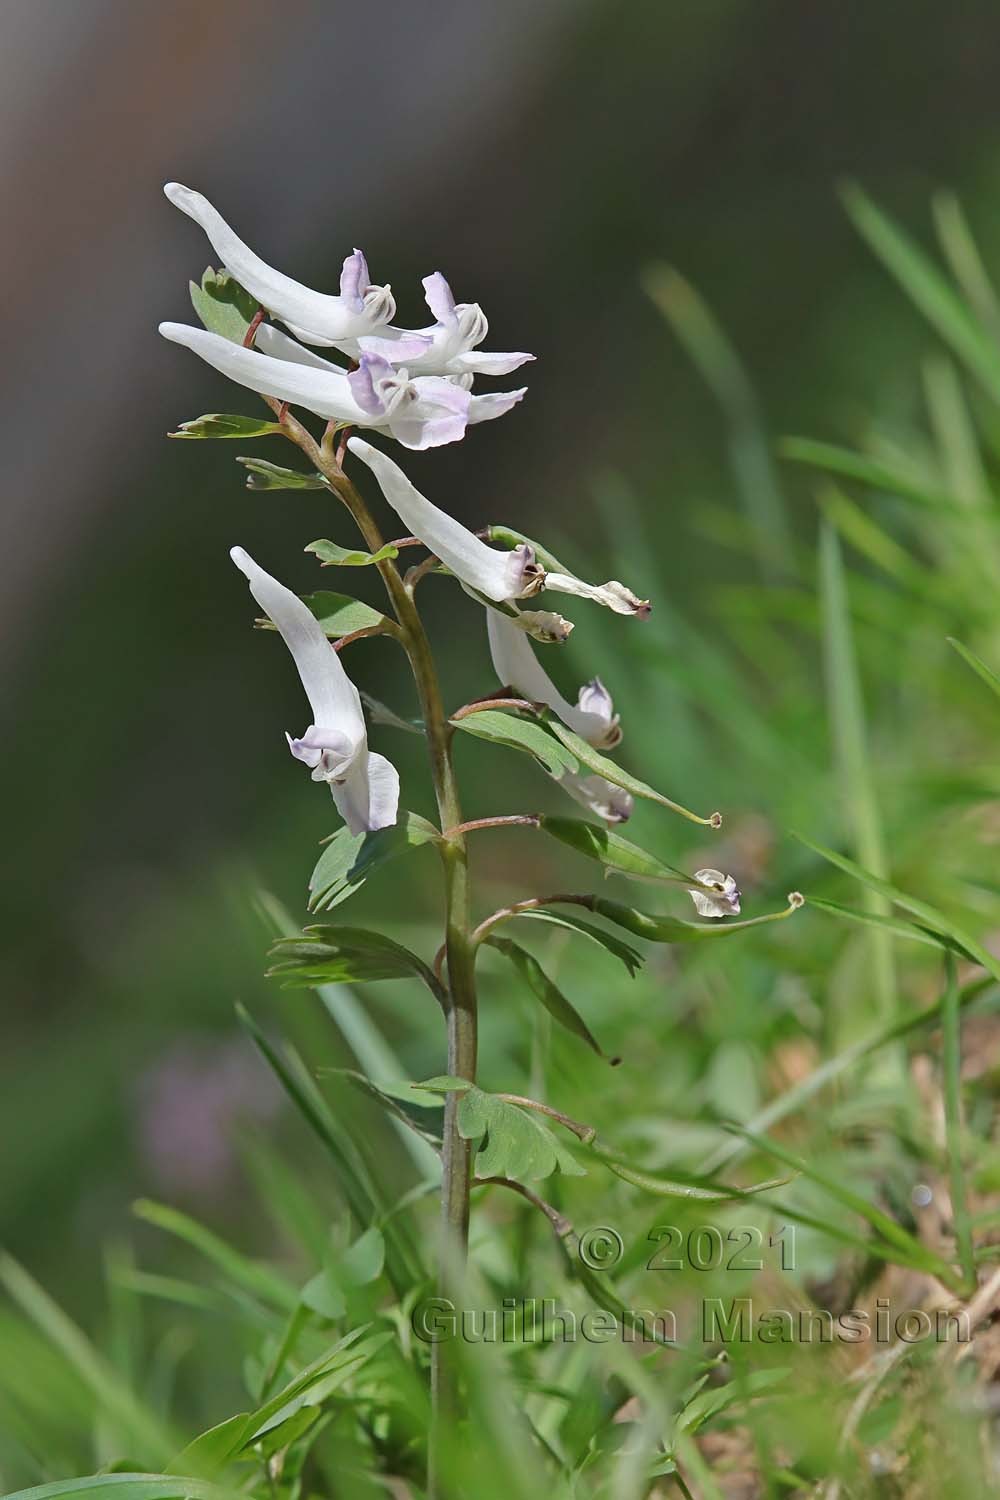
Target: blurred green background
542 156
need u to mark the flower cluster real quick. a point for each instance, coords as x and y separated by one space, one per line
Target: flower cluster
413 386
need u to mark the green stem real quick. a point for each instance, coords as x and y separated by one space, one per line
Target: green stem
460 1006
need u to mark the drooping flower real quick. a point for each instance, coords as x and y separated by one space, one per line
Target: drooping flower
717 897
317 317
592 717
543 625
517 666
450 345
478 409
422 413
496 575
365 786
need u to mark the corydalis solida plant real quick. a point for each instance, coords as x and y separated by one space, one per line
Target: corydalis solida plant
414 387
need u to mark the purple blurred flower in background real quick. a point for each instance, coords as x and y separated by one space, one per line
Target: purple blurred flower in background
188 1107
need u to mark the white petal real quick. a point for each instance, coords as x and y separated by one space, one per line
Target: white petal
613 595
319 316
517 666
438 413
335 702
325 392
498 575
495 404
610 802
475 363
368 797
271 340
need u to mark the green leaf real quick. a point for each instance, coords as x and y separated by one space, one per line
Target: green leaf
514 1142
927 914
624 952
223 305
520 734
128 1487
612 851
317 1380
611 771
896 925
380 713
977 664
267 476
951 1068
335 954
332 556
699 1190
924 283
657 929
259 1280
323 1296
743 1387
547 994
349 859
209 1453
338 614
362 1262
222 425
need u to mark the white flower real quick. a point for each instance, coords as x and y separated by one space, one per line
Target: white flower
496 575
592 717
477 408
517 666
365 785
422 413
448 345
317 317
721 899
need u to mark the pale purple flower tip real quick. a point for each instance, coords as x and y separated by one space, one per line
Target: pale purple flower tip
354 280
439 297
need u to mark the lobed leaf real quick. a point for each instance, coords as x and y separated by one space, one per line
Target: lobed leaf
334 954
513 1142
349 859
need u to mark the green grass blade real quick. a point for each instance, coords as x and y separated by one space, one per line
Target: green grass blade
951 1067
927 914
128 1487
112 1395
846 711
977 664
927 288
714 356
259 1280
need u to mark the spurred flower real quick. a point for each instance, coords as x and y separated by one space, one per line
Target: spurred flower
717 896
478 408
421 413
365 785
317 317
592 717
496 575
449 346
